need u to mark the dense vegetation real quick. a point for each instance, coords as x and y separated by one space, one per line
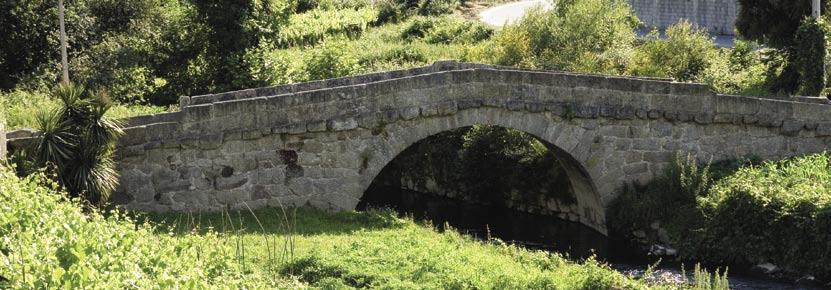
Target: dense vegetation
779 24
76 144
740 213
146 53
48 242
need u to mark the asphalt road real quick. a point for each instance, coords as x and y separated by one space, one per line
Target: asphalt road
508 13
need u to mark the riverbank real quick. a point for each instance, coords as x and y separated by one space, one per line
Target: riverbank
771 218
50 242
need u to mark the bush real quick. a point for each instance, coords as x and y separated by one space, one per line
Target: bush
779 212
739 213
811 51
684 55
331 60
446 30
76 144
737 71
49 242
561 39
397 10
313 27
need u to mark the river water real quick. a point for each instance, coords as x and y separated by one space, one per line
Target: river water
537 232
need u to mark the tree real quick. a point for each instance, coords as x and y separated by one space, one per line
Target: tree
233 28
775 23
810 56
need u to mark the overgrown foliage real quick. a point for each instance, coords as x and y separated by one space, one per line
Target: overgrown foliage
76 145
446 30
397 10
777 212
314 26
23 107
684 55
811 53
49 242
560 39
772 22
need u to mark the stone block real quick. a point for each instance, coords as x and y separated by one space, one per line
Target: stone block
342 124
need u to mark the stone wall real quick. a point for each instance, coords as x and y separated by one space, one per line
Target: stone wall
717 16
324 146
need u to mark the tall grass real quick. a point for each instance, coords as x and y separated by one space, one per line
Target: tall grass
49 242
22 108
739 212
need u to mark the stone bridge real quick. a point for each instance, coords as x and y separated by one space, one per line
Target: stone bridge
322 143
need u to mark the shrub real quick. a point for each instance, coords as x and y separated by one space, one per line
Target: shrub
331 60
684 55
669 198
738 212
811 51
777 212
50 242
76 144
732 72
397 10
446 30
313 27
561 39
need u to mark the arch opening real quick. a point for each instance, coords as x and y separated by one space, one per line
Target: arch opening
498 182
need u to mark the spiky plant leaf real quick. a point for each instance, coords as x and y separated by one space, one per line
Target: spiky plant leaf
77 143
56 141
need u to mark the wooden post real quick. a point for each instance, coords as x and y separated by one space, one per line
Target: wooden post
64 62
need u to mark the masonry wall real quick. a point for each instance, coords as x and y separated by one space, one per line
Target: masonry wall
322 144
717 16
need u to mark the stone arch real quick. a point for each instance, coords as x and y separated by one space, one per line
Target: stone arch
570 142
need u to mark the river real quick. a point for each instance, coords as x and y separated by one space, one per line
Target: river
538 232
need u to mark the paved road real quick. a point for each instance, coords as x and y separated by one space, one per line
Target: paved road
508 13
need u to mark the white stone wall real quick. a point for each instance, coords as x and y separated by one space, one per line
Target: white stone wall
717 16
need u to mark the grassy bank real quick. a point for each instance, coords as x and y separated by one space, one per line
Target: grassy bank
49 242
22 108
738 213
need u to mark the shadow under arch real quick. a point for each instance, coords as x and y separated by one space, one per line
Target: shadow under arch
561 137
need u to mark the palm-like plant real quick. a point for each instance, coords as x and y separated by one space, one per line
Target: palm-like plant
76 144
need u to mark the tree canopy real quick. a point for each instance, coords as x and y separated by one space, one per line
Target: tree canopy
773 22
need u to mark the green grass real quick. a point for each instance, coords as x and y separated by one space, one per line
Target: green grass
49 242
22 107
